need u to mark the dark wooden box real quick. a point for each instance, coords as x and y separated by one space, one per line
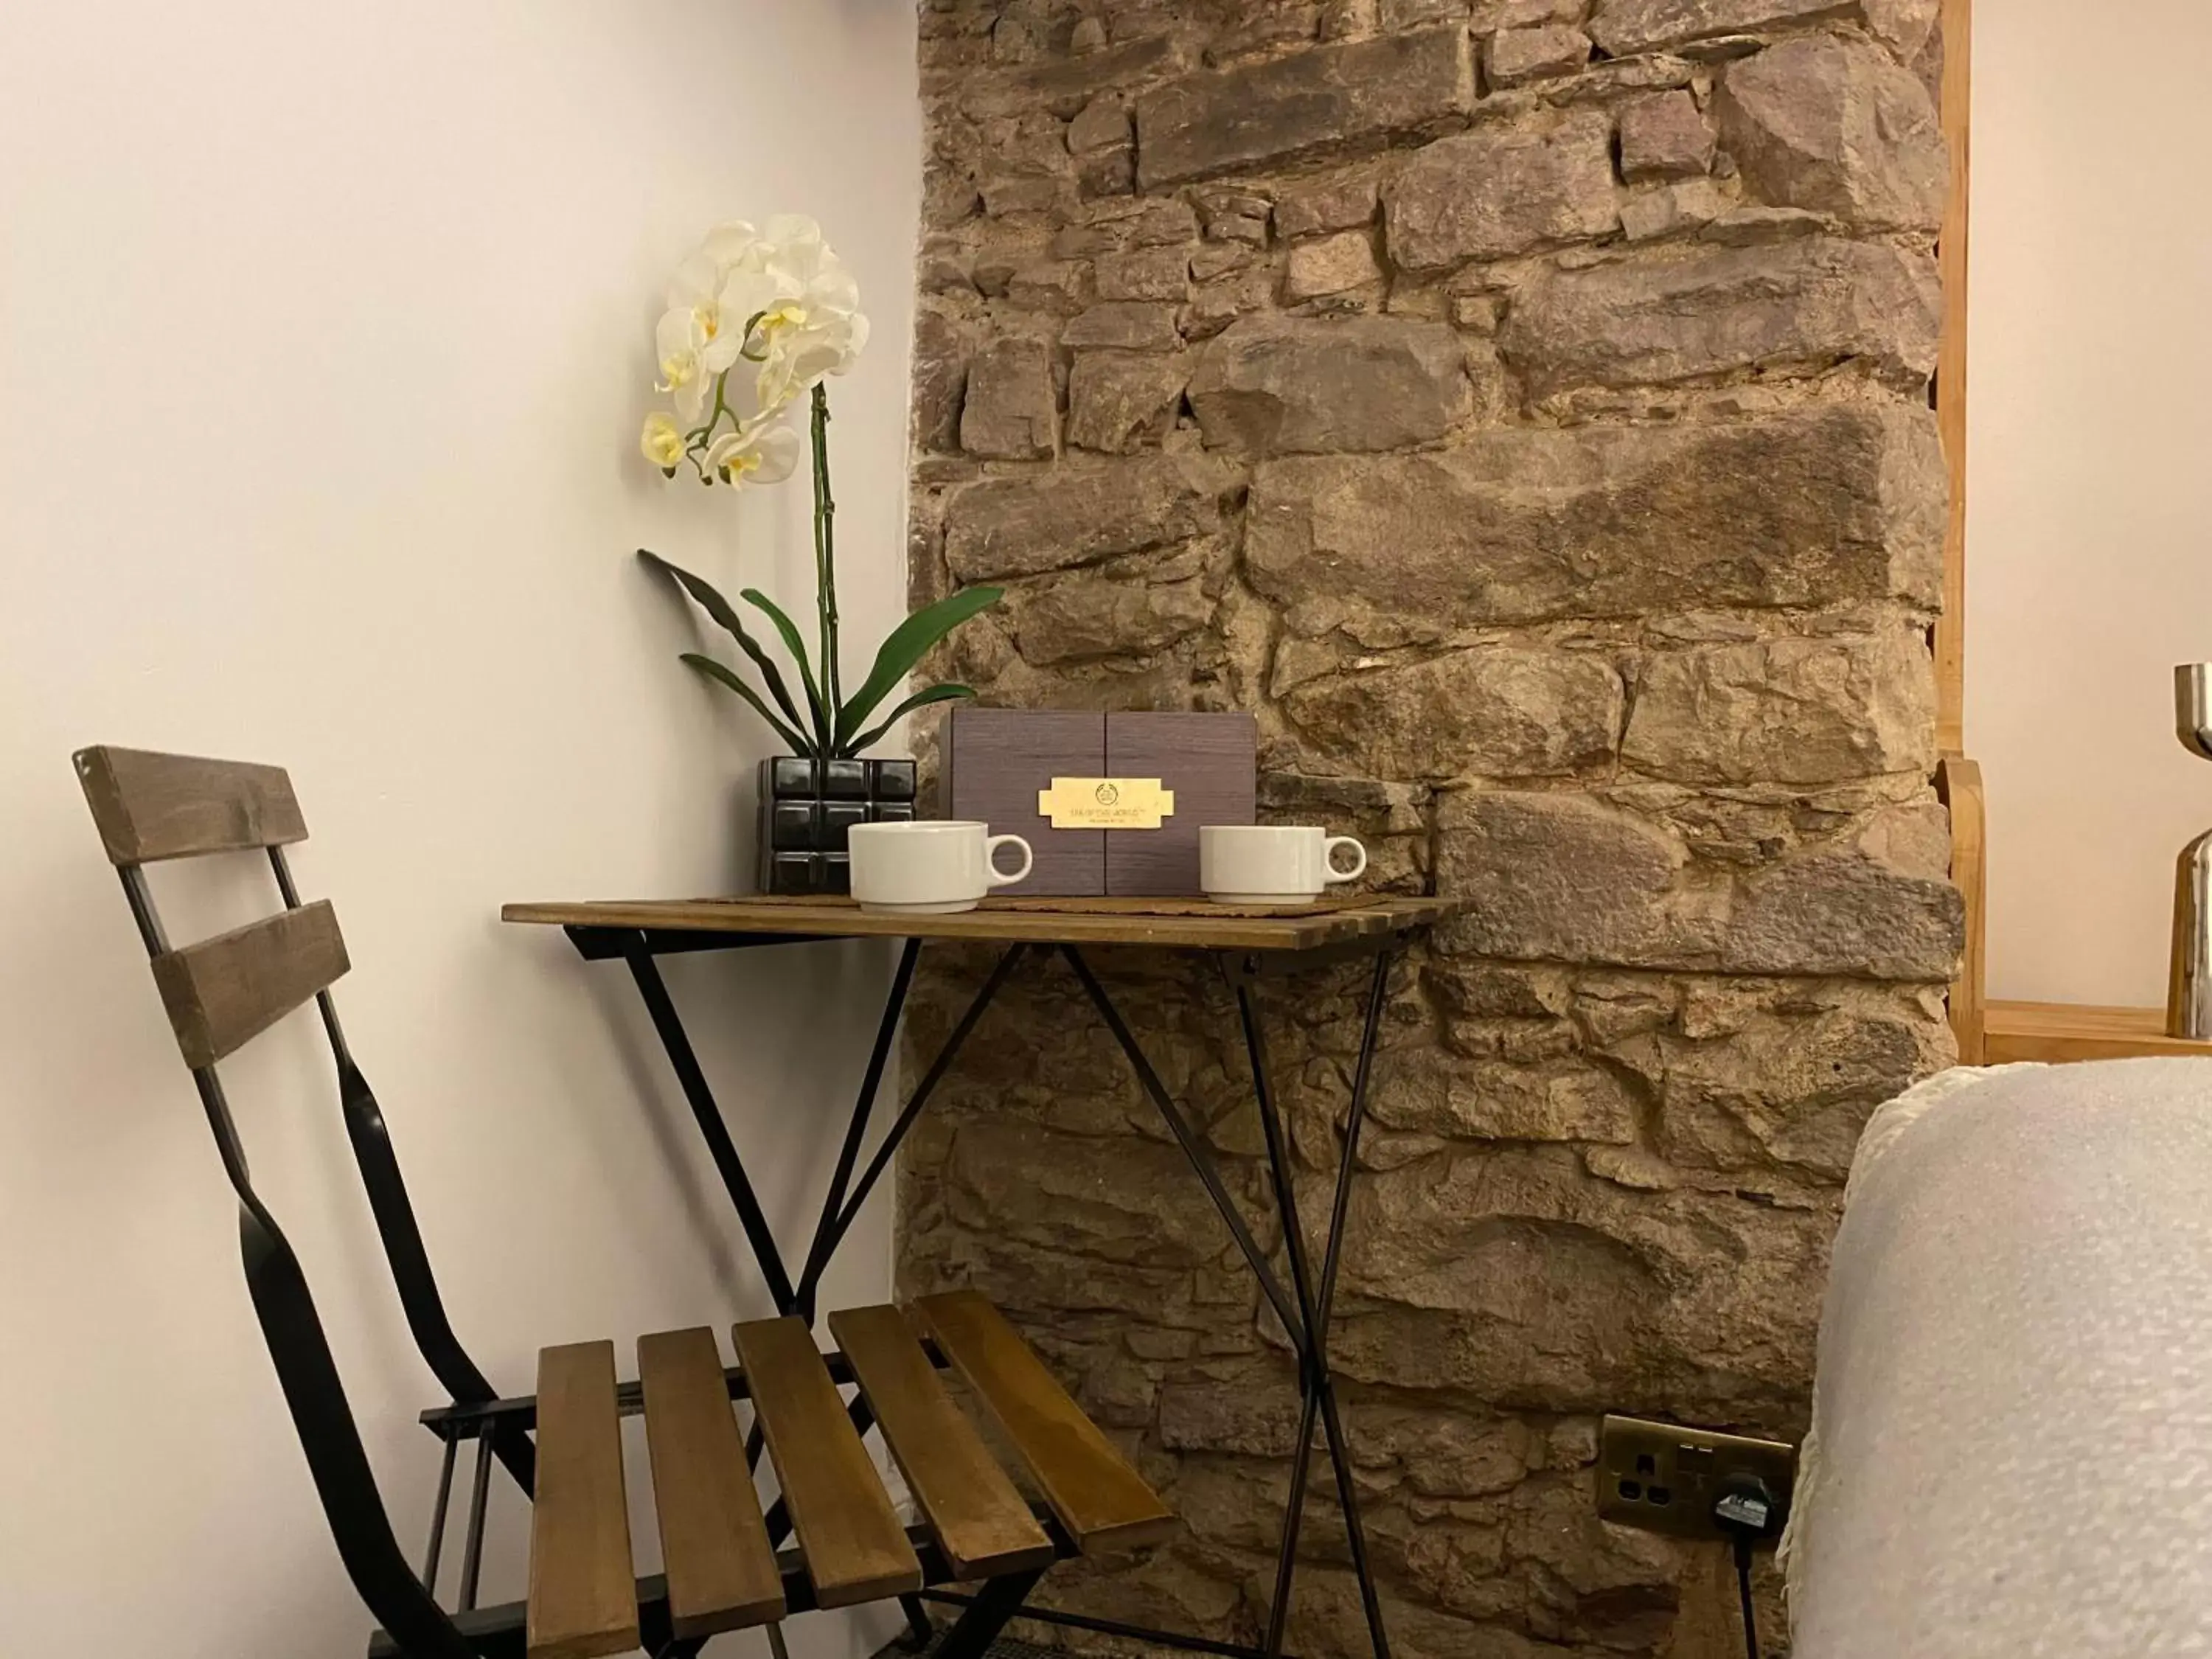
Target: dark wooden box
998 760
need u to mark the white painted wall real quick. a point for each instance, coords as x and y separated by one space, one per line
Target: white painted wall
326 337
2089 551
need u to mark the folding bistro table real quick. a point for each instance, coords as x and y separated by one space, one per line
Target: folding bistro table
1247 947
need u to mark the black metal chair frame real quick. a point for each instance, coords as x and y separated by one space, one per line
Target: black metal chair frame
414 1626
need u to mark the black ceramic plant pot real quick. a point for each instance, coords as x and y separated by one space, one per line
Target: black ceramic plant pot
807 808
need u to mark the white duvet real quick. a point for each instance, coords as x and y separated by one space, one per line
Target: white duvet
2011 1453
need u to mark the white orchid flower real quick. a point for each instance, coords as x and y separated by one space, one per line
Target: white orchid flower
716 334
682 373
763 452
803 306
733 247
662 441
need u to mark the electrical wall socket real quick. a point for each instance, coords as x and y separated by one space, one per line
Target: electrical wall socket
1664 1477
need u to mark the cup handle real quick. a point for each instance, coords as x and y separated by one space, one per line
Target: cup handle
999 878
1329 871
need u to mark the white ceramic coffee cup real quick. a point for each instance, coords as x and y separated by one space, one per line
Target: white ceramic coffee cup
1271 864
929 869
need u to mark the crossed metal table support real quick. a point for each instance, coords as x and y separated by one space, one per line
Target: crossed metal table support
1303 1307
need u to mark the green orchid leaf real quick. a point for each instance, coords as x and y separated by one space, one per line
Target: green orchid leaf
905 647
710 601
860 746
796 646
721 672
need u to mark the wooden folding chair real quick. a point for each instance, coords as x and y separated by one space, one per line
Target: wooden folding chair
721 1567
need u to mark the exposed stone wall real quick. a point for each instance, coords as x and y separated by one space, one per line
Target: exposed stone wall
1521 404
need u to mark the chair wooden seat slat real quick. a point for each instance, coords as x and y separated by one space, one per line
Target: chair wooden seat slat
1104 1504
722 1571
583 1597
977 1517
225 991
856 1547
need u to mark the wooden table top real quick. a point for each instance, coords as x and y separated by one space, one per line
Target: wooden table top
1193 929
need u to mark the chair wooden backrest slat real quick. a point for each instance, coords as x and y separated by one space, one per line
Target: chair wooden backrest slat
721 1570
151 806
1103 1503
856 1549
979 1520
226 990
583 1595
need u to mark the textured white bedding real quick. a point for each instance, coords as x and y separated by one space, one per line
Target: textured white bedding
2011 1452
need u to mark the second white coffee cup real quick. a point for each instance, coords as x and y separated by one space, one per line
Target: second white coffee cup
1271 864
929 869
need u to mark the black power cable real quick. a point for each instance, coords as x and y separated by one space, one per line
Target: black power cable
1746 1514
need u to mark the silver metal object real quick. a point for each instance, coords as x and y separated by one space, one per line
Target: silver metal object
2189 988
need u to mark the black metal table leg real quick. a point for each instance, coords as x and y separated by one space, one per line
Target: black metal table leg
646 973
856 1130
1317 1386
1303 1309
826 1241
1194 1148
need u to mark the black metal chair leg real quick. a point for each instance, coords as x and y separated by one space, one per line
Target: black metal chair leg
977 1627
918 1627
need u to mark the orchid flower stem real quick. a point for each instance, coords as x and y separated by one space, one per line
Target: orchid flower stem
705 435
826 552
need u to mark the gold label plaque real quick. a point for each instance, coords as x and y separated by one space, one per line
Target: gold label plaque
1106 804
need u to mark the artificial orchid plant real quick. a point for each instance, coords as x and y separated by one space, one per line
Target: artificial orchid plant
779 301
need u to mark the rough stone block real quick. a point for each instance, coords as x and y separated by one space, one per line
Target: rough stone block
1333 265
1492 14
1571 878
1151 273
1664 135
1057 518
941 377
1819 506
1804 711
1330 97
1838 126
1560 877
1118 402
1508 1273
1214 306
1658 321
1279 385
1494 712
1104 123
1501 191
1317 206
1285 23
1625 26
1011 413
1684 205
1049 285
1231 213
1126 326
1084 619
1904 26
1411 14
1517 55
1428 1089
1793 1089
1875 906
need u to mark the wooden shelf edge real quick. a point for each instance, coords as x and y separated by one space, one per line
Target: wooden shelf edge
2059 1033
